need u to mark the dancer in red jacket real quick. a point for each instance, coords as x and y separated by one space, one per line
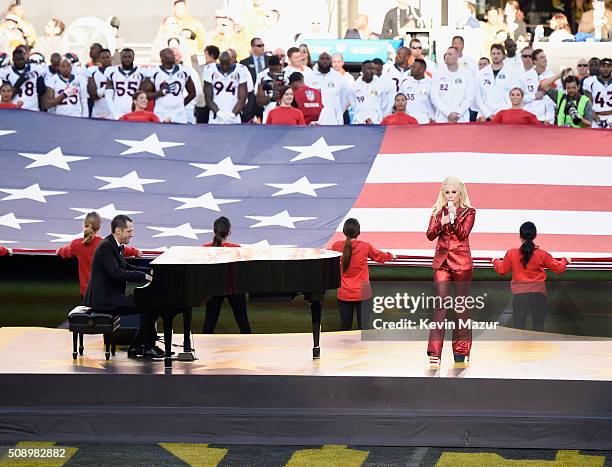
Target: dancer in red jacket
83 248
451 223
528 265
355 284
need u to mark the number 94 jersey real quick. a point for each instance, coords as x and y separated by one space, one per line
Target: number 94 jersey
174 81
28 92
225 85
125 84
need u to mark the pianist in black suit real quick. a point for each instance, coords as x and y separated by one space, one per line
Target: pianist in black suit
223 229
106 287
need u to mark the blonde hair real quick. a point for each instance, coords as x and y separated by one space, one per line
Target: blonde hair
91 226
464 199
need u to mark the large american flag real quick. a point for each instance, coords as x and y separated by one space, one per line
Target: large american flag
295 186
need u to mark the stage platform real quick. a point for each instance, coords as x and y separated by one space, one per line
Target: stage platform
530 389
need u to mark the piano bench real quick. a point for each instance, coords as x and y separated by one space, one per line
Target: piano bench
83 320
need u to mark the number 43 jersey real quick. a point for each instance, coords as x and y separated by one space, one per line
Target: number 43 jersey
28 92
225 85
125 84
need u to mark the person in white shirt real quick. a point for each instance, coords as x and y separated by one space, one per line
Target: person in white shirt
96 86
296 63
465 62
199 89
417 89
513 61
334 91
165 84
389 83
66 93
338 65
369 97
400 70
493 85
24 78
535 100
122 83
416 51
452 90
225 89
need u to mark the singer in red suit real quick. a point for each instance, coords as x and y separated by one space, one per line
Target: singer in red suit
451 223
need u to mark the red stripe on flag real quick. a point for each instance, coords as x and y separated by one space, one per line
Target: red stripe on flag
490 196
476 137
485 241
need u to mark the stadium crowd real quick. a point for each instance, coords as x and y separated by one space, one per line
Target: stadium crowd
260 83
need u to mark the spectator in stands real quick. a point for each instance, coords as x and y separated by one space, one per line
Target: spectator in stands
308 100
361 28
399 117
272 33
561 29
167 30
484 61
470 15
268 84
115 23
306 58
582 69
226 34
52 41
517 29
11 35
515 115
184 20
189 46
285 113
490 29
139 111
256 17
452 90
280 53
573 108
598 21
27 28
402 19
334 90
6 97
369 96
338 65
83 249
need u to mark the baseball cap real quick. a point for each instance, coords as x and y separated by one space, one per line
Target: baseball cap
295 76
607 61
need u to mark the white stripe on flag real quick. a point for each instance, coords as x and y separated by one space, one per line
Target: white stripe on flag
534 169
487 221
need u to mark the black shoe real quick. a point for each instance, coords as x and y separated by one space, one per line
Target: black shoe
316 353
154 353
135 351
459 358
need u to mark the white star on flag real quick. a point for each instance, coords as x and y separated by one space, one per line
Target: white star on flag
54 158
150 144
282 219
64 238
106 212
206 201
302 186
225 167
7 132
131 181
9 220
32 192
266 244
319 148
184 230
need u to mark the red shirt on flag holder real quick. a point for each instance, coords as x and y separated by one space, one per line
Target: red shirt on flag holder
84 255
399 119
310 102
515 117
4 251
226 245
285 116
533 277
140 116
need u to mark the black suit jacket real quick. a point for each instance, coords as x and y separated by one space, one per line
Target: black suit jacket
390 26
109 274
250 64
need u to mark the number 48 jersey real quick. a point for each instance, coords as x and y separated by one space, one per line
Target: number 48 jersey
28 92
225 85
125 84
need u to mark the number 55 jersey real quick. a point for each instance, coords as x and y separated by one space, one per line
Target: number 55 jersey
125 84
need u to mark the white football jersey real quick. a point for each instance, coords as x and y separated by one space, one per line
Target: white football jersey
602 100
397 75
172 105
28 92
418 94
369 100
334 93
75 105
225 85
452 91
493 92
125 84
543 109
100 106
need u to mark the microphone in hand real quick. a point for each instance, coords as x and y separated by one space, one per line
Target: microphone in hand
451 211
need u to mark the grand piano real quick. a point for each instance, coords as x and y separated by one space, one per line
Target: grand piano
184 277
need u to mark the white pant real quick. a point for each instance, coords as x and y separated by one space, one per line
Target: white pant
176 115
